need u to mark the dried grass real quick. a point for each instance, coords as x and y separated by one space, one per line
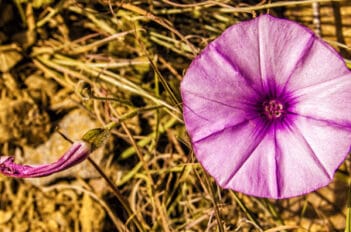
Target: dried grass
122 62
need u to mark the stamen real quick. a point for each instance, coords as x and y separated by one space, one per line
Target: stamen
273 109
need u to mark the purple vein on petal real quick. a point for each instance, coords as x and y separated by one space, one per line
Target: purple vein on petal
346 126
319 163
248 82
330 83
240 124
278 153
302 57
260 55
251 148
192 111
219 102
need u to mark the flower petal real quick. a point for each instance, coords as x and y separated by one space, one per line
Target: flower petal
330 143
282 46
291 161
321 64
272 48
309 155
223 153
258 175
242 54
215 96
328 101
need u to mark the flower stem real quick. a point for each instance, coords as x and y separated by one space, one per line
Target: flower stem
118 195
245 210
348 211
217 214
348 206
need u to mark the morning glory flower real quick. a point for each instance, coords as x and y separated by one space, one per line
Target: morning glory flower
267 106
78 152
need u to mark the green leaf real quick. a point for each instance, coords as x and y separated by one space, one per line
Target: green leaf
96 137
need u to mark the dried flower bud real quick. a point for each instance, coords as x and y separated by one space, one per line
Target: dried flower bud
78 152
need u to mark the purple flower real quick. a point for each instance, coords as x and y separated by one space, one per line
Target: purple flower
78 152
268 108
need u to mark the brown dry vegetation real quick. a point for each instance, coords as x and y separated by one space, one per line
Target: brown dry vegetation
76 65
